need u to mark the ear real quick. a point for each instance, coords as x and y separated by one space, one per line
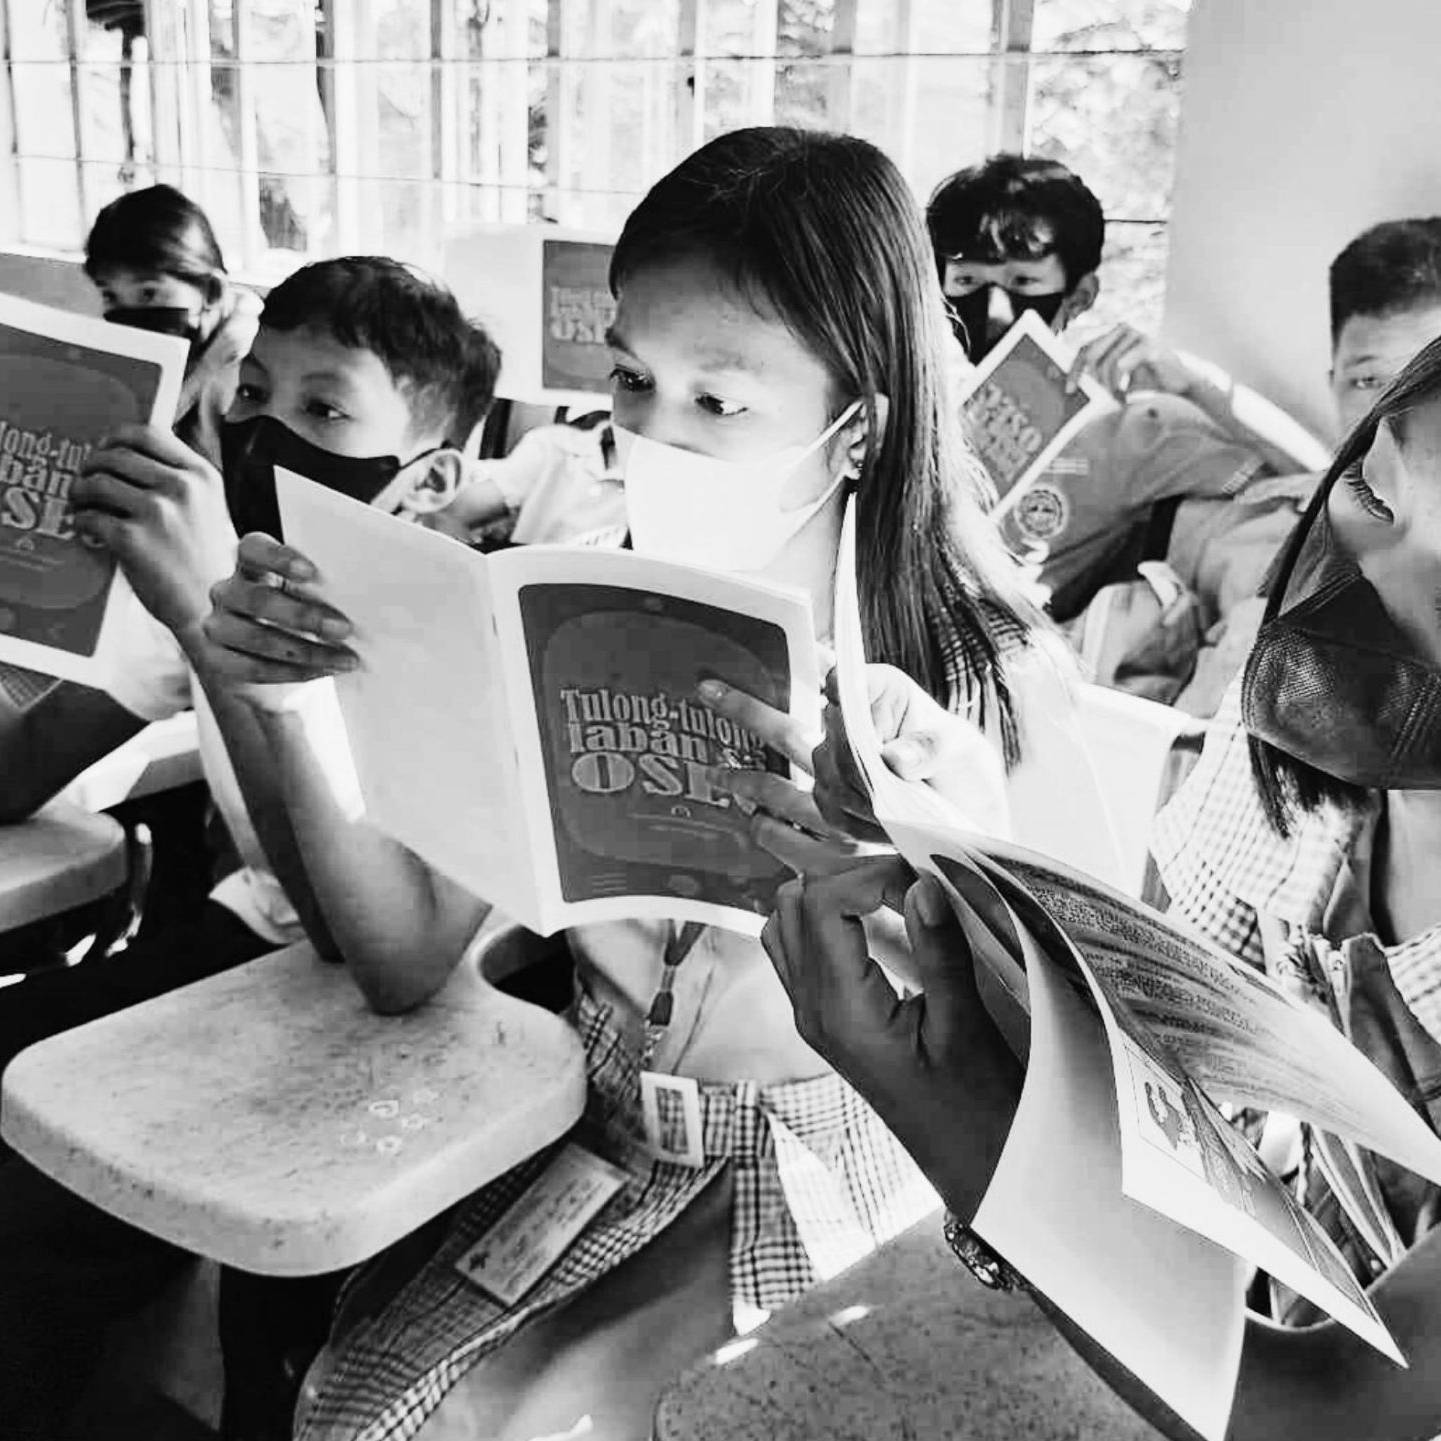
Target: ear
437 485
1079 301
856 436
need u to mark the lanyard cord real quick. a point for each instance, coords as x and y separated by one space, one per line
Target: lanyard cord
658 1017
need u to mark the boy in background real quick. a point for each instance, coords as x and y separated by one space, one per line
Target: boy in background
1020 233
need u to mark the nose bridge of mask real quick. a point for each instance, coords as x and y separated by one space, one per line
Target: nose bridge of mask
1001 305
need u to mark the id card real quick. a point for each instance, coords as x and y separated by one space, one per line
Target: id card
534 1232
670 1106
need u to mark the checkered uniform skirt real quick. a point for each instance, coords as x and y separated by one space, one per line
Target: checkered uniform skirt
818 1182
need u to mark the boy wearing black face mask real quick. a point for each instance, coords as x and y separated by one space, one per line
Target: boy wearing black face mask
1021 233
360 372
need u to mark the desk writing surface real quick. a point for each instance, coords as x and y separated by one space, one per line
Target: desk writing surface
267 1118
904 1344
62 857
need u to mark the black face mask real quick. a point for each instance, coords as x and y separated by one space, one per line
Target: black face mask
1334 682
251 449
970 315
163 319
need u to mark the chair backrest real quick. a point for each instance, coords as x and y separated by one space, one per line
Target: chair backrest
1130 742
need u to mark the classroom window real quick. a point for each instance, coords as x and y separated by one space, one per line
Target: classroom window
315 127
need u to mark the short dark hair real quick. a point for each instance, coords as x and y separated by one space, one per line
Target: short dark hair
1390 267
446 364
992 211
158 230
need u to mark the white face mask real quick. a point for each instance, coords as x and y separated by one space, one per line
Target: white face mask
720 514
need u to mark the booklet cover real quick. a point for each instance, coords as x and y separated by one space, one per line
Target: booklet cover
578 309
543 294
65 382
628 745
1017 411
1133 1030
556 752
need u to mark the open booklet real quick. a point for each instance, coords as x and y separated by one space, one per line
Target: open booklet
529 722
1123 1195
1018 411
65 382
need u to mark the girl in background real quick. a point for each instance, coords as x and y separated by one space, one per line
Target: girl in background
157 265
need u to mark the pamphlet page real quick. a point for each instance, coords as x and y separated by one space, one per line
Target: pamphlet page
1017 411
530 722
605 652
424 714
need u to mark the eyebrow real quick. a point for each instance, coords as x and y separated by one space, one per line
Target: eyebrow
715 359
328 377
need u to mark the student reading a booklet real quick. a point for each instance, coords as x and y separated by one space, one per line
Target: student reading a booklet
359 372
1306 842
1022 233
156 263
777 346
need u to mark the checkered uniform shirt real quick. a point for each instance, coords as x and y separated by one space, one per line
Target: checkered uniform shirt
818 1182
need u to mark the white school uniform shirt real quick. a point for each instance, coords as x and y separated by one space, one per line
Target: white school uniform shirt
148 674
558 485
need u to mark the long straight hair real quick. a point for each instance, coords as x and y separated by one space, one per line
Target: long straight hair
1287 785
822 230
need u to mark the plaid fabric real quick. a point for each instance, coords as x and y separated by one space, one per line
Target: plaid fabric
818 1182
1224 867
1222 864
23 688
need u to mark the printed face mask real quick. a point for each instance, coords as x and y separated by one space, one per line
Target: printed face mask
970 314
1334 682
163 319
719 514
251 449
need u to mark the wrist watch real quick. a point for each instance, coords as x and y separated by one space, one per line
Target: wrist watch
977 1257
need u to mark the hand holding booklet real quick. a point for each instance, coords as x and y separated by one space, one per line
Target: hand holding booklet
1123 1195
65 382
529 722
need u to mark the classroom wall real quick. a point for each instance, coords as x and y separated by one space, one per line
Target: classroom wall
1303 122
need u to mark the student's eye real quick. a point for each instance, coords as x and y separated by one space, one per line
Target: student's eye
148 293
1366 382
249 392
630 381
323 410
724 409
